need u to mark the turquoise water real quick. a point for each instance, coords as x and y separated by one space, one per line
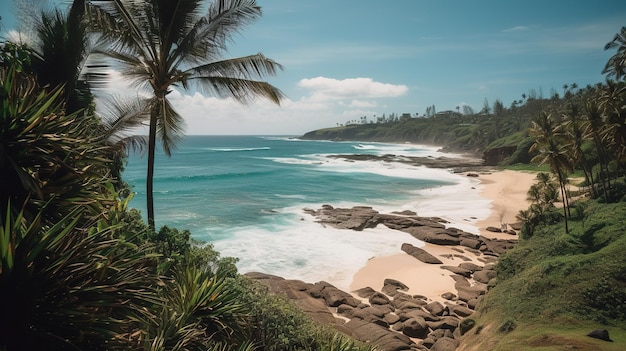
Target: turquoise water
246 195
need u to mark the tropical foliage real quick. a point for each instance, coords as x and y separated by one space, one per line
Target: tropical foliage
78 268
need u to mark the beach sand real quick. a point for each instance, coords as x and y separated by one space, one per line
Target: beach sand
507 192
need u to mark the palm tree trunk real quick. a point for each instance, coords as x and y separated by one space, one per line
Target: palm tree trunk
150 175
564 199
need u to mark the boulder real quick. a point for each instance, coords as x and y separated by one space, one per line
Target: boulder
470 266
445 344
437 236
379 299
365 292
471 243
384 338
415 328
448 322
399 285
435 308
448 296
404 301
420 254
601 334
484 276
335 297
458 270
461 311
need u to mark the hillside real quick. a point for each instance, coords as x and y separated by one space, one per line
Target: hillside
555 287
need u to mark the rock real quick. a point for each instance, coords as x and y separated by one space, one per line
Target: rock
473 303
365 292
493 229
390 290
601 334
415 328
376 311
458 270
466 325
379 299
405 213
427 316
345 309
384 338
299 293
484 276
461 311
444 344
435 308
420 254
391 318
399 285
471 243
448 296
335 297
428 342
472 267
467 293
404 302
449 322
472 175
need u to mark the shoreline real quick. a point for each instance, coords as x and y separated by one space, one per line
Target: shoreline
506 191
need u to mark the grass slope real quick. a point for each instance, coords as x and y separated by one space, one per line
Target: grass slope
554 288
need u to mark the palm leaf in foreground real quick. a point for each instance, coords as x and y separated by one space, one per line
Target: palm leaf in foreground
62 288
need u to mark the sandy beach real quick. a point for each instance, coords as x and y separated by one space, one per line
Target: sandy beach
507 192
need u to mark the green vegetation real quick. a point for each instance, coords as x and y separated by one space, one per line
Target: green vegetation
79 270
556 287
566 275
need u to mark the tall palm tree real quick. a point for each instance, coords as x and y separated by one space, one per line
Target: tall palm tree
595 125
616 66
551 149
162 44
576 136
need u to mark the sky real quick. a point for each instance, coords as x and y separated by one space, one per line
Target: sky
345 59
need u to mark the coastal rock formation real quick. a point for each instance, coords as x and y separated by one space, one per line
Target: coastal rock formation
432 230
455 163
392 319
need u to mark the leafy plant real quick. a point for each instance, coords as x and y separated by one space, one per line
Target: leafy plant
63 288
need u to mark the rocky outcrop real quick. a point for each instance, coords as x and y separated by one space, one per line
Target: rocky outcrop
391 319
430 162
432 230
420 254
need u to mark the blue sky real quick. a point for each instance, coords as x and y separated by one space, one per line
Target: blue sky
352 58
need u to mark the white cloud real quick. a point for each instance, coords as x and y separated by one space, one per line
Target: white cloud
334 89
326 102
361 103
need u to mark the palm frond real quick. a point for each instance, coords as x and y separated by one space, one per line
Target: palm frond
170 125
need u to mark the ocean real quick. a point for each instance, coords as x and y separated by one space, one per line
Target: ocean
246 195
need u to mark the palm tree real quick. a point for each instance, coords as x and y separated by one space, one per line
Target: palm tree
576 137
616 66
595 125
162 44
550 149
60 53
